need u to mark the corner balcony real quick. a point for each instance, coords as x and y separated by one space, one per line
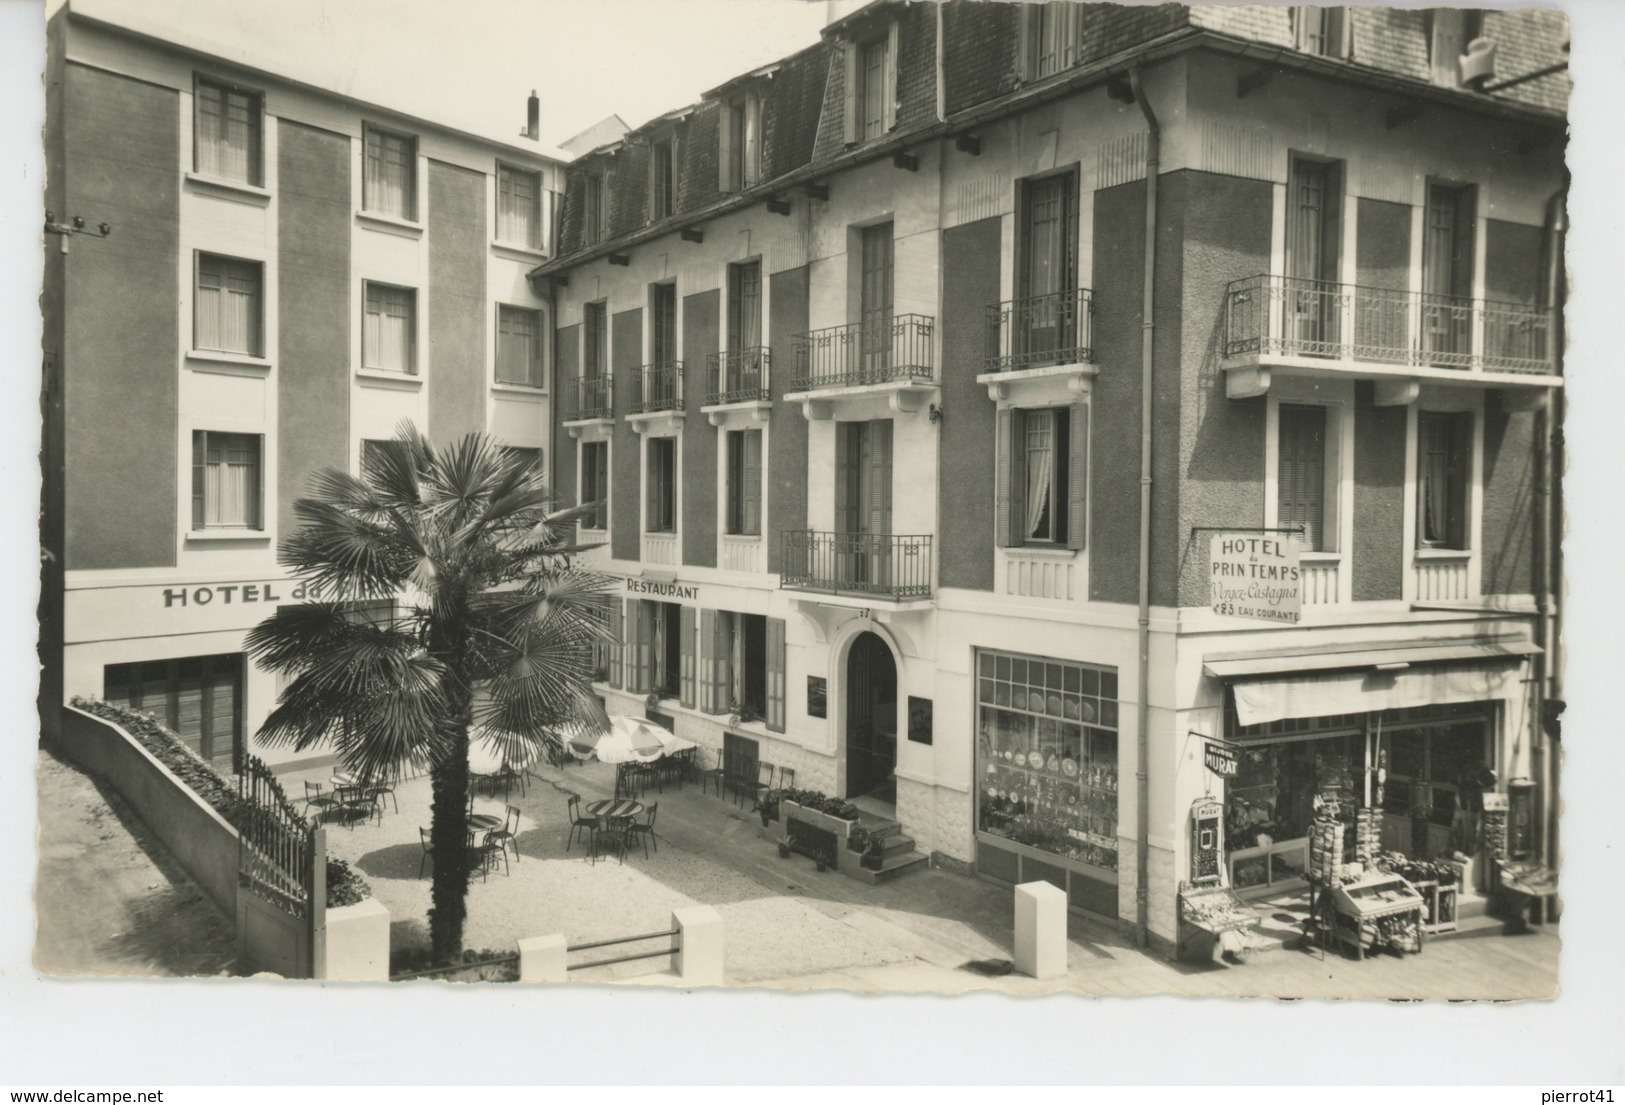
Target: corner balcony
738 383
589 404
658 400
890 356
1398 339
1040 348
876 568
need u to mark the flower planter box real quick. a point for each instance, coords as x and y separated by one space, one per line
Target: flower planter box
817 835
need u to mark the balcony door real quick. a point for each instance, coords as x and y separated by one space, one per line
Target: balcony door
742 370
875 301
863 473
1045 313
1447 274
660 382
871 720
1314 232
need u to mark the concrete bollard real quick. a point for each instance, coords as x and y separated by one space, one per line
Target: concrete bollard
357 945
699 962
1040 930
541 959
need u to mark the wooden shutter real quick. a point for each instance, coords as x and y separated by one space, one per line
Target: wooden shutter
893 91
686 683
775 674
1077 477
638 644
1026 46
1301 470
846 446
849 108
715 650
725 148
751 484
615 653
1010 470
879 476
1461 464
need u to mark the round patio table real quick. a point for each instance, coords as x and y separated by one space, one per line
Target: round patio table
615 807
483 822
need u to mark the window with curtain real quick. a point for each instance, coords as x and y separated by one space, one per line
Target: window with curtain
389 331
595 483
226 132
744 306
744 482
661 477
389 177
1045 451
1041 478
1443 460
1301 472
519 206
519 346
746 663
225 480
227 311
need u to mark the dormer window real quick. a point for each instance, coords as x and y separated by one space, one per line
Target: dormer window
1052 31
871 85
1450 30
741 141
1321 30
662 177
594 208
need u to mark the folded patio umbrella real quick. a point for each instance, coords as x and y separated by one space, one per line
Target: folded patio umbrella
627 740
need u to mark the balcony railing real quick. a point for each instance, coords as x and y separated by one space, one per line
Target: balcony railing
739 375
1040 331
590 397
880 350
660 388
881 565
1288 316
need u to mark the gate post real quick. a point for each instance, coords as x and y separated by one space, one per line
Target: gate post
317 910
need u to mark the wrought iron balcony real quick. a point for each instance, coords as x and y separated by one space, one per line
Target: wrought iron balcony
1292 317
660 388
739 376
590 397
880 350
876 565
1040 331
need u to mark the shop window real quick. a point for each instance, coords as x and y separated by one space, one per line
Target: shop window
1435 773
226 130
228 311
389 329
1046 763
198 697
519 346
1276 792
519 206
1042 478
1443 467
744 475
595 483
225 480
1321 30
660 486
389 174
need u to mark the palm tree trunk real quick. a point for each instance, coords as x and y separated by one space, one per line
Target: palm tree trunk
448 836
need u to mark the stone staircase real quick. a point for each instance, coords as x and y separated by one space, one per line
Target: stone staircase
900 854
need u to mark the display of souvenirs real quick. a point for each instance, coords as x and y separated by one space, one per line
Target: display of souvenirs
1325 849
1495 832
1367 834
1049 784
1214 909
1380 909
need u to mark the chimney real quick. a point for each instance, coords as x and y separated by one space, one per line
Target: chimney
533 116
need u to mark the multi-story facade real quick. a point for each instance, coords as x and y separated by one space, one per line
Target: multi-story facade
290 274
916 371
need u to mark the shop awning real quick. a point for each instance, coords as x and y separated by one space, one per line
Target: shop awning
1292 683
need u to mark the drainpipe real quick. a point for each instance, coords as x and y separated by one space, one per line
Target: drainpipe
1142 786
942 87
1547 539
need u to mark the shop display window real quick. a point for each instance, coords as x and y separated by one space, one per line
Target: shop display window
1046 764
1273 798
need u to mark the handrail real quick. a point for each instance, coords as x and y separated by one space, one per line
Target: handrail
883 348
676 946
591 397
660 387
894 566
739 375
1041 330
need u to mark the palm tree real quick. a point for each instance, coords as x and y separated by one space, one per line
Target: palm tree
489 627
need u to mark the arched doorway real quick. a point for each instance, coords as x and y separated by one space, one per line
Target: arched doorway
871 719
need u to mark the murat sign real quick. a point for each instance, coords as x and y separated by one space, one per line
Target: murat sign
1255 577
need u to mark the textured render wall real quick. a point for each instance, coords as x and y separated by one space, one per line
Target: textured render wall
970 282
566 366
1377 543
625 456
1167 398
938 819
121 392
313 290
1513 269
1382 248
1224 223
457 302
701 320
1509 500
787 460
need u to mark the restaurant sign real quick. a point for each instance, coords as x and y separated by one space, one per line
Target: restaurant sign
1254 576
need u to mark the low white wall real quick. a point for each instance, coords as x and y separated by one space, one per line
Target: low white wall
357 943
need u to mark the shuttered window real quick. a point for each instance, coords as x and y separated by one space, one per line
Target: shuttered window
1301 472
519 206
615 653
228 311
744 505
519 346
871 86
595 483
1042 476
662 179
775 674
595 332
389 176
1054 37
687 690
198 697
714 643
1443 467
1321 30
389 329
227 131
662 326
225 480
660 481
744 306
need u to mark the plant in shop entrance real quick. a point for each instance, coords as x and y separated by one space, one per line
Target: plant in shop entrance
439 571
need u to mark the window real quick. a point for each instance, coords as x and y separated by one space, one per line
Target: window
660 483
227 313
1321 30
1046 324
389 330
594 209
1047 756
1450 30
745 657
595 483
662 179
871 86
389 176
373 452
519 346
225 480
522 456
226 132
606 654
663 637
1052 37
741 666
875 301
519 206
1301 471
1447 273
1043 476
741 142
595 335
744 482
1314 234
1443 468
198 697
662 323
744 306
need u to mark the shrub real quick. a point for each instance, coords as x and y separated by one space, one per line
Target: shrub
823 803
171 751
471 966
345 886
